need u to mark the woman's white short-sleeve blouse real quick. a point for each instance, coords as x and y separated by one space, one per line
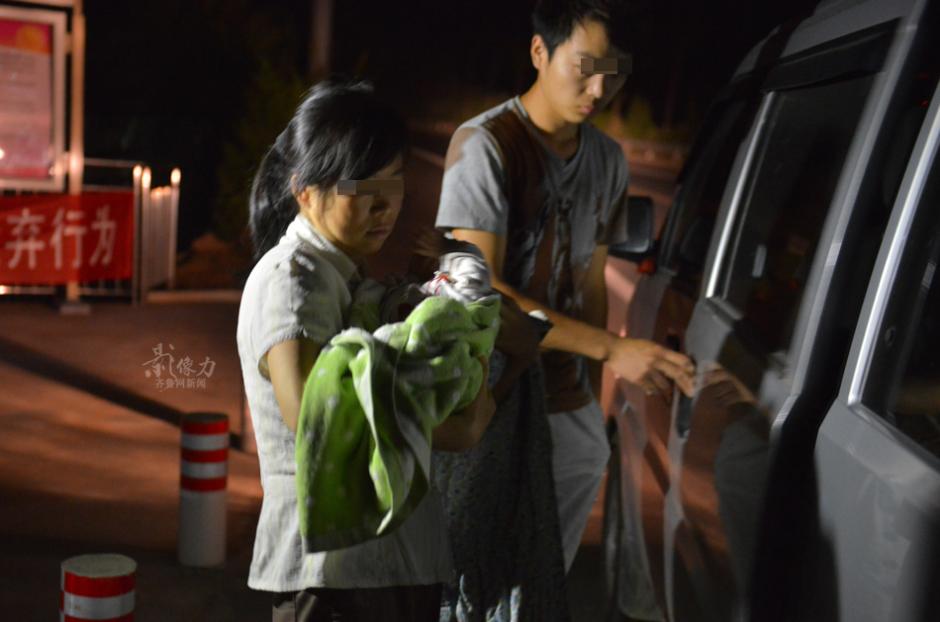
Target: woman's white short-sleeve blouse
301 288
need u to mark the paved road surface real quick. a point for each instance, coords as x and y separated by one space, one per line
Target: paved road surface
83 475
82 472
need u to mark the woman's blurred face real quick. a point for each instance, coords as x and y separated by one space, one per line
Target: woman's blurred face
357 223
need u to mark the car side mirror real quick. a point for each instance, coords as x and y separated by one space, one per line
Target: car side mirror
639 243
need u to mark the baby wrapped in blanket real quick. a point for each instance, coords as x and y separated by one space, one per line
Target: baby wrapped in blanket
377 391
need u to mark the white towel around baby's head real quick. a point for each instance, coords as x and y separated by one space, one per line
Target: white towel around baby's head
462 275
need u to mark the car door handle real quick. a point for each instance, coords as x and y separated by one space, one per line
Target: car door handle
684 406
673 342
683 415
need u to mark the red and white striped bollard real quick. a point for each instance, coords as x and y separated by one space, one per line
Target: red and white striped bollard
203 482
97 587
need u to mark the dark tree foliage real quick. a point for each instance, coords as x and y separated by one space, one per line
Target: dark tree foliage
200 84
207 84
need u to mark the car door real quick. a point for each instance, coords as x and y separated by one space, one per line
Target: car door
878 453
660 310
797 238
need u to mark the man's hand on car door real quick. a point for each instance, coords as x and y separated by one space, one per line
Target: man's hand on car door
651 366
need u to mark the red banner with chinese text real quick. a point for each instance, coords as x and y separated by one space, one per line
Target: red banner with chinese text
57 238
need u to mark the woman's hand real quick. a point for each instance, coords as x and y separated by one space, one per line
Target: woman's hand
462 430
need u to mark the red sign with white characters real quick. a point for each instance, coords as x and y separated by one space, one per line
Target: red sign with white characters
58 238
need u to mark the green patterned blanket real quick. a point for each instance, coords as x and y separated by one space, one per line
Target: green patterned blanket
369 405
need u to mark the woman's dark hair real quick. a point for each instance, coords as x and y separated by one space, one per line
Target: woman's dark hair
555 20
339 131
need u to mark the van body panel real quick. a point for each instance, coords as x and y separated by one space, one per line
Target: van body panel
879 487
798 230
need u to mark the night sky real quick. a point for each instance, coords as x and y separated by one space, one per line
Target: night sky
206 84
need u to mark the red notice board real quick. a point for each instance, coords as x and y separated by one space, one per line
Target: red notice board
32 99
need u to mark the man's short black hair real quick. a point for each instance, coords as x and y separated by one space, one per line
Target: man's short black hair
555 20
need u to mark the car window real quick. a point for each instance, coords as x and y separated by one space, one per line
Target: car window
699 199
797 164
904 380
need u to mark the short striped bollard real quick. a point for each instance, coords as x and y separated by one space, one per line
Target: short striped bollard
97 587
203 481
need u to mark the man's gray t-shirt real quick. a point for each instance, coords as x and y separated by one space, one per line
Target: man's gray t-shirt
501 177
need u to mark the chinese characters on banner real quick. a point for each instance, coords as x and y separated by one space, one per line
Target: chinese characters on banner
27 149
54 239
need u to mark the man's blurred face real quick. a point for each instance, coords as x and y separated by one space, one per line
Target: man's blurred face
573 93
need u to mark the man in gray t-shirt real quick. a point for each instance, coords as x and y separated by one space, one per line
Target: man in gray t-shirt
543 194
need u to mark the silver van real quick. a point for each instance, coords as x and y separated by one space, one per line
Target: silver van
802 479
